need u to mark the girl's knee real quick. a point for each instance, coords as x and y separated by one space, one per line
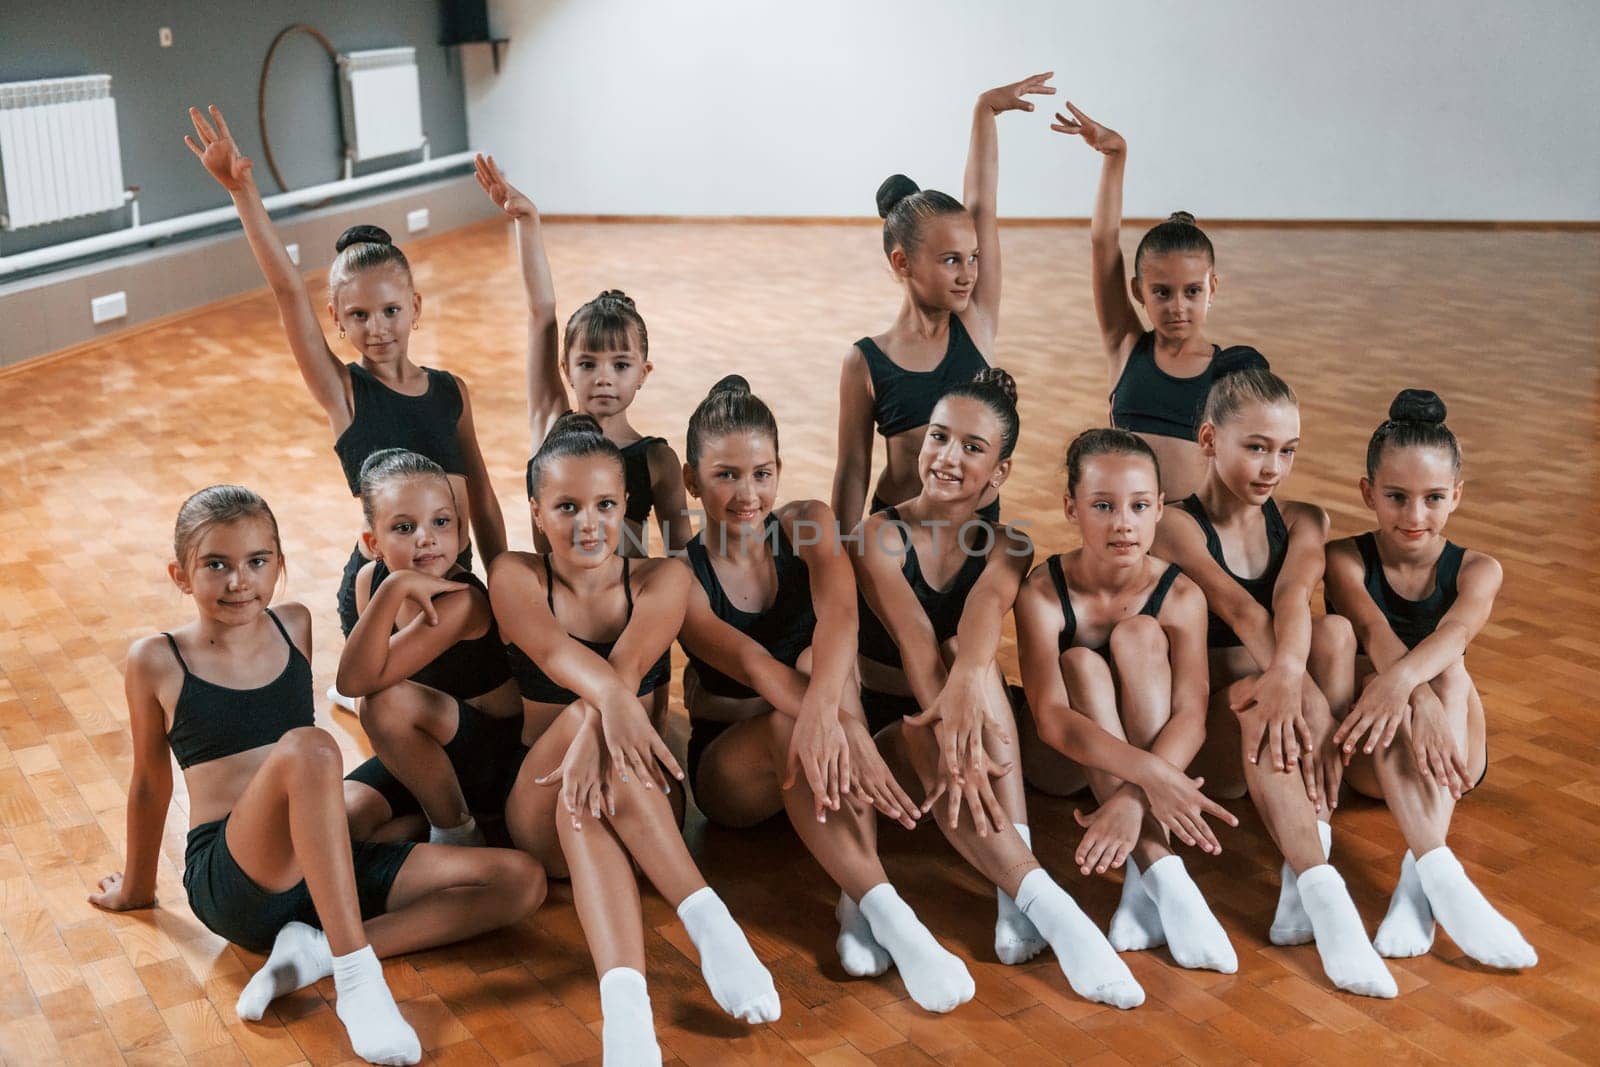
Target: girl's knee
1138 635
1084 663
518 880
310 748
1334 635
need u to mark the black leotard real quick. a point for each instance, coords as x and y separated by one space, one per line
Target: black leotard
538 686
1411 620
1146 399
943 606
1151 607
784 628
383 418
211 721
1218 633
903 399
470 667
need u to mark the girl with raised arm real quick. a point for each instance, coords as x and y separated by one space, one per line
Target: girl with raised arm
1257 564
937 580
1159 376
776 722
426 659
269 864
382 400
1415 737
946 258
594 627
1113 649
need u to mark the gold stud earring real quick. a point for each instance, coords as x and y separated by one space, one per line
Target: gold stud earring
415 325
341 333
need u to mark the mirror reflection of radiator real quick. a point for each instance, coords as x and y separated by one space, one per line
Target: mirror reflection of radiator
59 152
381 103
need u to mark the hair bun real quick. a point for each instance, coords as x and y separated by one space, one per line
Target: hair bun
362 234
1182 217
1235 359
574 424
998 378
1417 405
732 385
618 295
895 188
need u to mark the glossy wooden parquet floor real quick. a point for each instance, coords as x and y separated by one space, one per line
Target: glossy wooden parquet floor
97 450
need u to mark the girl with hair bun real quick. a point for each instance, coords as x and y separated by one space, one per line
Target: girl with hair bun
937 580
1415 736
1257 564
592 628
773 697
946 258
269 863
1113 648
1159 376
604 356
383 400
426 660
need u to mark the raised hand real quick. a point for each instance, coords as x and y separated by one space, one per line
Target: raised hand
1102 139
503 193
217 150
1010 97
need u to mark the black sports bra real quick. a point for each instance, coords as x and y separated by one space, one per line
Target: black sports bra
468 668
538 686
211 721
1151 607
943 606
1411 620
1218 633
903 399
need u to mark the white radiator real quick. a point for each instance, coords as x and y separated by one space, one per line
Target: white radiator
58 150
381 102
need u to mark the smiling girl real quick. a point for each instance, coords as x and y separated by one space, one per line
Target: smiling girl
383 400
269 863
1257 564
1113 649
1416 601
949 315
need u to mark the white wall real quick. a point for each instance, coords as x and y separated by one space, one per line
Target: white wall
1374 109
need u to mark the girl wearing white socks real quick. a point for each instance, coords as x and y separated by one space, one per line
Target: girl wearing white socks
1257 564
937 579
593 628
1113 649
1415 736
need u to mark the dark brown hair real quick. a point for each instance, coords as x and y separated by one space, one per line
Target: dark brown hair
608 323
730 407
364 248
995 388
217 505
574 434
1416 420
391 464
1102 441
904 207
1178 234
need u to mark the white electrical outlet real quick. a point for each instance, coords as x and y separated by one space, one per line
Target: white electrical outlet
417 220
294 253
108 307
165 36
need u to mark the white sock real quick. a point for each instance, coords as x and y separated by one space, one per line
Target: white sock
1016 939
1195 937
299 957
367 1009
1091 965
738 980
936 979
1136 924
859 952
339 700
1407 930
1347 956
1469 919
465 834
1291 925
627 1029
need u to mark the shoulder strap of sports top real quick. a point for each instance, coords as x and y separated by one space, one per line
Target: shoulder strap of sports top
549 585
1367 545
1276 527
173 641
273 615
1158 595
1059 578
627 590
1449 566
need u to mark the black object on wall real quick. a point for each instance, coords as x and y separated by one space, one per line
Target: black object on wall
466 22
215 58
